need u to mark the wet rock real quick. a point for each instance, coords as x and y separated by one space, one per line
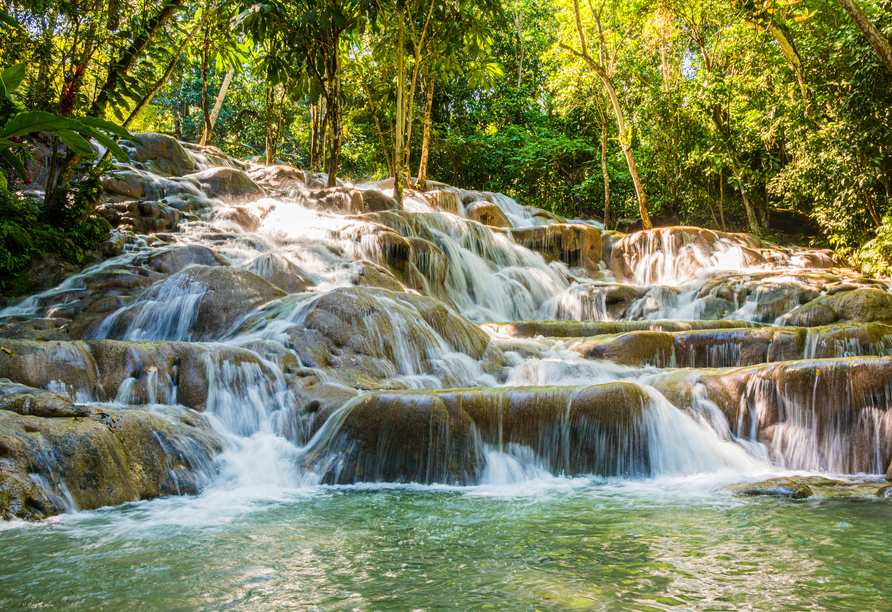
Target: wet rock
41 364
115 456
375 201
281 178
127 183
25 400
148 217
404 438
574 244
228 184
631 348
488 214
858 306
777 487
239 216
368 274
160 154
173 259
578 329
196 303
597 302
445 201
281 272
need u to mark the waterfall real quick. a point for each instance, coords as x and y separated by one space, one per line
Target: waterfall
326 343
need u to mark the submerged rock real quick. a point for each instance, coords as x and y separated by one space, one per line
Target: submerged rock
777 487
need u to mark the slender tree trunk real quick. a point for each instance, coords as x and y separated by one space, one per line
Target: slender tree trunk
786 44
722 200
131 55
374 111
426 135
625 139
117 69
398 149
334 110
606 174
218 103
205 69
147 99
870 31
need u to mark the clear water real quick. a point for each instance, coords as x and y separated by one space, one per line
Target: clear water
553 544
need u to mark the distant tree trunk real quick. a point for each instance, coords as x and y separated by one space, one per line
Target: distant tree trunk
333 102
218 103
147 99
606 174
625 138
318 132
425 135
373 109
205 68
870 31
722 200
399 144
786 44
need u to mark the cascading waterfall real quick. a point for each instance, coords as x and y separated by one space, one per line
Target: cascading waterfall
381 302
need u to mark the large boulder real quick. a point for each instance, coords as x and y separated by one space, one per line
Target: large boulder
227 184
488 214
281 272
280 178
52 465
160 154
172 259
862 305
196 303
574 244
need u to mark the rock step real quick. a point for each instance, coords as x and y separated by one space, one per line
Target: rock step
57 456
723 348
441 435
580 329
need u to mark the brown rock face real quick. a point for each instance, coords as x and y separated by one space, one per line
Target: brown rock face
228 184
282 178
160 154
574 244
110 457
857 306
487 213
209 301
428 436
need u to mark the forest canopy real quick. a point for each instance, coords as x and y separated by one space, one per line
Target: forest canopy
761 116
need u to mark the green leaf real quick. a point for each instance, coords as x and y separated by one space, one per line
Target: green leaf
75 142
105 125
13 76
108 143
13 160
33 121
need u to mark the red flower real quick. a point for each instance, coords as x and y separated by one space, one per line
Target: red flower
69 93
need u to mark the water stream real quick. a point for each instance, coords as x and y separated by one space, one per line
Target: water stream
571 516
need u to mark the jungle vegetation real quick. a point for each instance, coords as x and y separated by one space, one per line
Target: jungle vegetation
740 115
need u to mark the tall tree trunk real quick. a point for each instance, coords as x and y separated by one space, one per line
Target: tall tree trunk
606 174
426 134
625 139
147 99
117 69
399 143
870 31
722 200
374 111
786 44
333 101
269 140
218 103
205 69
131 55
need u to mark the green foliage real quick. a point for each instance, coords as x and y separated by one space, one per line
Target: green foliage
27 231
